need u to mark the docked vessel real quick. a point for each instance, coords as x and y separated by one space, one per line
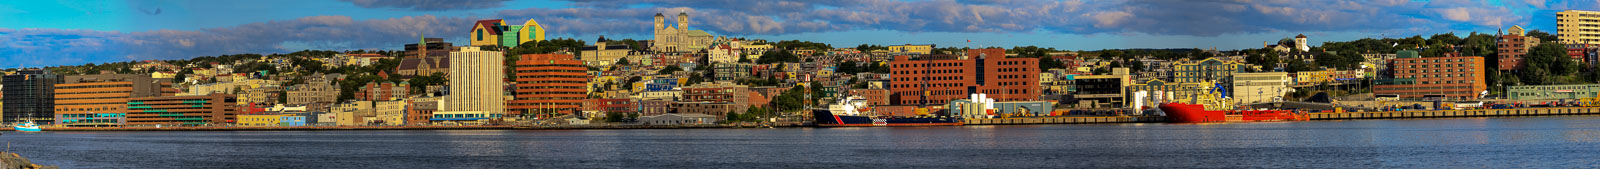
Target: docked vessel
854 112
1197 113
29 126
1214 106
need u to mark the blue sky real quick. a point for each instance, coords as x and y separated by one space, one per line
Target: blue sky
71 32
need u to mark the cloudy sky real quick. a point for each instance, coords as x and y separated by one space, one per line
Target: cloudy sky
68 32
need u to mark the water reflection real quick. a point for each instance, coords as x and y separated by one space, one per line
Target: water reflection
1543 142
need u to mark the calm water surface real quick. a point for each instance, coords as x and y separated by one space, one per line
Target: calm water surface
1536 142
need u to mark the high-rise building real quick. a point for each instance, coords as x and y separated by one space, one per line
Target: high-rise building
1513 45
30 96
549 84
1578 27
210 109
102 100
938 78
1434 77
477 79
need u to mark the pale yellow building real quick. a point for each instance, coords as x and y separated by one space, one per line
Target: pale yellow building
353 113
604 53
1260 87
476 81
390 112
911 49
260 120
1578 27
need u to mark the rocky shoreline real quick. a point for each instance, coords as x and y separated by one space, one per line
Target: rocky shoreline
16 161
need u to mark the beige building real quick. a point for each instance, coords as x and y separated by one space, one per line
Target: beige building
679 38
390 112
1260 87
315 90
911 49
354 113
1578 27
477 79
604 53
264 94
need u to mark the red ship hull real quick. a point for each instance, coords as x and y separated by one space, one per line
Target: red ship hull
1194 113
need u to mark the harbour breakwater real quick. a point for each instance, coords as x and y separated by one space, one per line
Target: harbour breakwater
16 161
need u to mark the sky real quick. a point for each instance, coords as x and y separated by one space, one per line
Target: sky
38 33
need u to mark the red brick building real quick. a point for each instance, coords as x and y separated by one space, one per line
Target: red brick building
1452 77
1513 46
873 96
736 95
936 79
549 83
383 91
624 106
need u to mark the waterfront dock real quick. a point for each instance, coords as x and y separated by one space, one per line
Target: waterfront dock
1543 111
1066 120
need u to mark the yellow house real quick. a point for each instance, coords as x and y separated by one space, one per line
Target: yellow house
532 32
163 74
913 49
486 32
260 120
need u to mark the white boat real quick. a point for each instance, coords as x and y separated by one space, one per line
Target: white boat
29 126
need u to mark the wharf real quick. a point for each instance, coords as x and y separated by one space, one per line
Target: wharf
1550 111
1066 120
247 128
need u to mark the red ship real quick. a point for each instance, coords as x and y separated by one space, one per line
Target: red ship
1195 113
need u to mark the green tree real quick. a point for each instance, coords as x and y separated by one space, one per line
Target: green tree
1546 61
669 69
1543 36
848 67
777 56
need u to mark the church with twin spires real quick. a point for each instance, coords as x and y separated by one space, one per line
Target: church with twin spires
679 38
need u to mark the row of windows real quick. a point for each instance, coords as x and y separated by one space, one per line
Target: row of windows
527 93
955 64
1439 60
553 81
94 86
552 87
552 70
90 109
1438 76
1012 63
552 76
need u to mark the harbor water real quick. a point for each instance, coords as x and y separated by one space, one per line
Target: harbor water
1512 142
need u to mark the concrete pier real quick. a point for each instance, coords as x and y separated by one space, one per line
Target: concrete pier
1551 111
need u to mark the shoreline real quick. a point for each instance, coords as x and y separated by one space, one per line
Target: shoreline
1526 112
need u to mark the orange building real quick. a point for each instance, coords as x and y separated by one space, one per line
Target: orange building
1444 77
936 79
101 100
212 109
549 84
